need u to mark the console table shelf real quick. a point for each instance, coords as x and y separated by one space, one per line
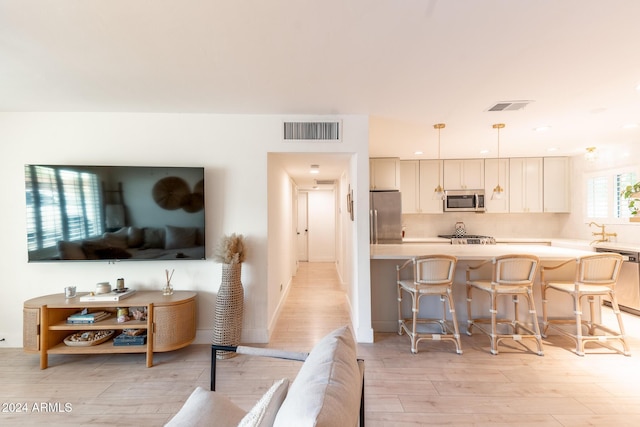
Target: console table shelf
170 324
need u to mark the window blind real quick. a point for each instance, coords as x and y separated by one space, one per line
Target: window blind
598 197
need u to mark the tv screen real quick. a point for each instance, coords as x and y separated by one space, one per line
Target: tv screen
89 213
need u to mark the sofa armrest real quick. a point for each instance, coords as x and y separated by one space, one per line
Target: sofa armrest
252 351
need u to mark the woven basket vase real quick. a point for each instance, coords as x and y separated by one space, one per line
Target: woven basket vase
229 310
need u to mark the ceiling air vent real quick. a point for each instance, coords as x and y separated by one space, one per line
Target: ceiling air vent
312 131
325 181
509 105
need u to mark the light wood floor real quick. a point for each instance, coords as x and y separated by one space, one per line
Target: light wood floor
434 387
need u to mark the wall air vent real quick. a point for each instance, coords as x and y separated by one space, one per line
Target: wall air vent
509 105
313 131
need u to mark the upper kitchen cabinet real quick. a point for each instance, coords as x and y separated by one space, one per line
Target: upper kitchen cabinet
556 185
410 185
384 174
496 171
418 179
467 174
526 184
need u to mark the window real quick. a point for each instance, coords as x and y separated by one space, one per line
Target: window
622 181
597 197
61 205
604 196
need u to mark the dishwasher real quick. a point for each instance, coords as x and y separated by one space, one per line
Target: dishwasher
628 286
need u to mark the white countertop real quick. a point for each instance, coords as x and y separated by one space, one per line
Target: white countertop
580 244
473 252
620 246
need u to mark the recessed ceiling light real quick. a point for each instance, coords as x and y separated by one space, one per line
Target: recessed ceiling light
418 153
542 128
630 126
552 149
314 169
485 151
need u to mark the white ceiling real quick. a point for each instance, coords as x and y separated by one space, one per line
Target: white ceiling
406 63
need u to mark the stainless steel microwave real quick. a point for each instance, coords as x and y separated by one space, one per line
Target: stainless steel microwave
464 201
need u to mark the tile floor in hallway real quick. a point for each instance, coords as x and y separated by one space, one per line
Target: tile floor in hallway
434 387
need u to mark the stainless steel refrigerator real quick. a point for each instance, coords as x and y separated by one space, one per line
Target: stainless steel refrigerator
385 217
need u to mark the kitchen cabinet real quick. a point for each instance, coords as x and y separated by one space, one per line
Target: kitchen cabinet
556 188
384 173
496 171
418 179
526 184
463 174
410 186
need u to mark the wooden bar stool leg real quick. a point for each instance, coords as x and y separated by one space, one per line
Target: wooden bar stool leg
516 318
454 320
414 322
578 312
616 310
494 323
469 318
534 321
400 317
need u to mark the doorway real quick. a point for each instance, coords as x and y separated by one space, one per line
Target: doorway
316 226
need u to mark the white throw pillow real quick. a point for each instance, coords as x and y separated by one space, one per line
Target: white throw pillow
207 408
264 412
326 391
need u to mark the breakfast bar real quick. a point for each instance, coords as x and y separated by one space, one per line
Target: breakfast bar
384 259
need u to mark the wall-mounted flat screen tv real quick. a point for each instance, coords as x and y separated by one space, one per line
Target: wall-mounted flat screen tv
89 213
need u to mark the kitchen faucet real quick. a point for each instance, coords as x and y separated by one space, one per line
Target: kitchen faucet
604 236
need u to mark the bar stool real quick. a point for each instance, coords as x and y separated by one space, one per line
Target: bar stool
432 276
512 275
596 275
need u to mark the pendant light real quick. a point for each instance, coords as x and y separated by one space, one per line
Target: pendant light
438 192
498 191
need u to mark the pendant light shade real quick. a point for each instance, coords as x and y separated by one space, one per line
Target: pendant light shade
498 191
438 192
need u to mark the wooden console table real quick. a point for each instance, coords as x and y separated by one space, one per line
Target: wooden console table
170 324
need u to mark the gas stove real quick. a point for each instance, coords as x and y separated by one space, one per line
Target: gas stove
469 239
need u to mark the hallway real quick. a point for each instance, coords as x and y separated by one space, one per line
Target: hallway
315 306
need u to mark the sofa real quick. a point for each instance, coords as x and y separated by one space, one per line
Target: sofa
167 242
327 392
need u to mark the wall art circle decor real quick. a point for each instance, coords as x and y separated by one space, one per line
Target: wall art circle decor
194 202
170 192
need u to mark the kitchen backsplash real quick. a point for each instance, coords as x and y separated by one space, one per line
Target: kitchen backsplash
541 225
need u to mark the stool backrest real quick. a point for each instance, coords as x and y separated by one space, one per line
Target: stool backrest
515 269
434 269
599 269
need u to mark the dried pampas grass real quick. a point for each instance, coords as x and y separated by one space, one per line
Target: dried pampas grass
230 249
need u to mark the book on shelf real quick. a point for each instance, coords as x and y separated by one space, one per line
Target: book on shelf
84 317
110 296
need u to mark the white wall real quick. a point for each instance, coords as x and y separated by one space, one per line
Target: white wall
232 148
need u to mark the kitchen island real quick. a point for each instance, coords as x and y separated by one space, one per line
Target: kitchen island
384 258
